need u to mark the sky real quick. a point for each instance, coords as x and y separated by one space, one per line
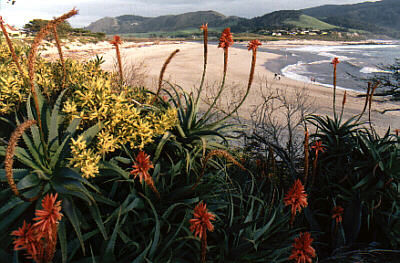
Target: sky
90 10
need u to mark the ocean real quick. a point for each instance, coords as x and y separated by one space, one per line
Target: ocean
358 63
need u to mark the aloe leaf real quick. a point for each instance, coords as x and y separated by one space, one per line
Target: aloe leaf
62 238
54 123
160 145
69 209
57 157
90 133
13 216
95 212
109 252
156 230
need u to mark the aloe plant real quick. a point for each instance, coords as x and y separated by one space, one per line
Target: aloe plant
36 174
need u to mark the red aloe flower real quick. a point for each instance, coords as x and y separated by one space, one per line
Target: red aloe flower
335 61
302 251
116 41
49 216
141 166
200 224
397 132
253 45
318 147
26 238
226 40
201 221
296 197
204 27
337 213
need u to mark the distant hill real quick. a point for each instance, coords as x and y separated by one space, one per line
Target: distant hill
138 24
382 17
285 19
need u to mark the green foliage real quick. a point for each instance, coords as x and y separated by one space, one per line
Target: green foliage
35 25
358 171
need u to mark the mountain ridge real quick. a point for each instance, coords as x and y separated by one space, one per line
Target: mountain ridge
381 17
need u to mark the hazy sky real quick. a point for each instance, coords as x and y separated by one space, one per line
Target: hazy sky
90 10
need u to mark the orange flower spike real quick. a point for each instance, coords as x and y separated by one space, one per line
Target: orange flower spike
204 27
49 216
116 41
201 221
141 166
253 45
397 132
302 251
226 40
297 198
335 61
337 213
318 147
200 224
26 238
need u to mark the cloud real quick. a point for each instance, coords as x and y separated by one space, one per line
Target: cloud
90 10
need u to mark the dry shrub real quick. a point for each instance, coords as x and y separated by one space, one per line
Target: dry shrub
135 72
278 122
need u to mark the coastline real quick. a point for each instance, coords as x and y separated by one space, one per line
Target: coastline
187 66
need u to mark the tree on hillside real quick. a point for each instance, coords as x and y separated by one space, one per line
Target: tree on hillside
36 24
390 79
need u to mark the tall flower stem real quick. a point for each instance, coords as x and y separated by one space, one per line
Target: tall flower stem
253 45
8 162
58 44
225 41
116 42
334 90
121 73
10 47
366 101
306 156
204 246
44 31
335 61
163 69
205 45
343 103
370 104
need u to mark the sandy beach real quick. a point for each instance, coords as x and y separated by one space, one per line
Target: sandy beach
186 68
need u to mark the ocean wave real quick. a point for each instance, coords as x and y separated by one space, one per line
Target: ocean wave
318 49
295 72
332 55
369 70
319 62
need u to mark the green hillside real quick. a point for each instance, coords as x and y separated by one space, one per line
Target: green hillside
285 19
169 23
305 21
382 17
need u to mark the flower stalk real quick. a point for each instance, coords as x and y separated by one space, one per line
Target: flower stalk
334 62
204 27
199 225
306 155
163 69
44 31
10 47
9 158
116 42
60 53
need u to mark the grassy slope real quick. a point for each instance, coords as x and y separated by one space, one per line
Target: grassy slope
306 21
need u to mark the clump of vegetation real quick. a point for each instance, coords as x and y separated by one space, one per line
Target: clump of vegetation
145 177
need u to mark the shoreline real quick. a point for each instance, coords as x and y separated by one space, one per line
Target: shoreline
187 66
